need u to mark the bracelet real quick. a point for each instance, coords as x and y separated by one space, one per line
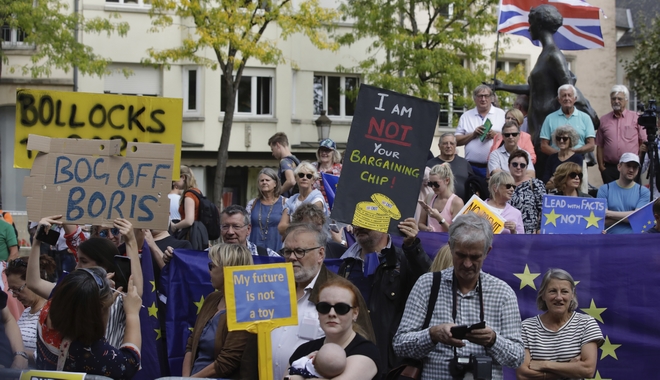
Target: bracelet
21 353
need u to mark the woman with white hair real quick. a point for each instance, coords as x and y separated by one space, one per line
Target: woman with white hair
306 175
443 205
559 343
566 138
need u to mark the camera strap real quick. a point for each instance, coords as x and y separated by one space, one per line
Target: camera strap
454 308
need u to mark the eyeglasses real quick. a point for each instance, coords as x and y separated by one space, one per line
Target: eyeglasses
14 291
572 175
340 308
512 134
482 96
99 280
226 227
106 233
562 138
298 252
516 164
303 175
433 184
509 186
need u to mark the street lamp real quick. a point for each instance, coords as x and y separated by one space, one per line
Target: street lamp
323 126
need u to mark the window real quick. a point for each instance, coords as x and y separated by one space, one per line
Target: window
330 94
145 81
450 112
192 91
13 37
132 3
255 93
507 66
632 98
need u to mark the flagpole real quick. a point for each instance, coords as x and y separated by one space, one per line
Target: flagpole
497 52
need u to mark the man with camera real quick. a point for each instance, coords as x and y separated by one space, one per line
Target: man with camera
475 326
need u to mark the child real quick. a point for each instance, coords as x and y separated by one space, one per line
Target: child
328 362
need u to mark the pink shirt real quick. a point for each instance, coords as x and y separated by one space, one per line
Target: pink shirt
617 136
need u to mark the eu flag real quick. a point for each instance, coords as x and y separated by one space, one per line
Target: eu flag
330 187
642 220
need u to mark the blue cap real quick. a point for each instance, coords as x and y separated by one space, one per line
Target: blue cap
328 143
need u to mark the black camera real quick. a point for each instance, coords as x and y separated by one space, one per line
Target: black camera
481 367
649 118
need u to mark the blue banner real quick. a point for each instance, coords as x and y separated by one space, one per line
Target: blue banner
330 186
572 215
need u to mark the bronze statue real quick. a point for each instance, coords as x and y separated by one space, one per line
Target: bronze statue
550 72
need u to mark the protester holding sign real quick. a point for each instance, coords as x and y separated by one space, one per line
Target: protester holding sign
440 209
528 195
212 350
501 186
328 161
338 311
306 175
567 180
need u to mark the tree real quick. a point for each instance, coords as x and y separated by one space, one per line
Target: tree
422 47
644 69
234 31
51 28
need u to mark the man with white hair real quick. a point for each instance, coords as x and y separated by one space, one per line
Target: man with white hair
618 133
569 115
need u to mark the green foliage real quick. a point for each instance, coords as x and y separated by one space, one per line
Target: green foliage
420 48
516 76
50 26
644 69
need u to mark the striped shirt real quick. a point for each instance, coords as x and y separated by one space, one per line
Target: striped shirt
561 345
500 313
27 323
116 327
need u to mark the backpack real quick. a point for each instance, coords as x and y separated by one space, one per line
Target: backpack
208 214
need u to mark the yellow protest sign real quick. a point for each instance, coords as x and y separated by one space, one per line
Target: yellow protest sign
51 375
63 114
479 207
260 298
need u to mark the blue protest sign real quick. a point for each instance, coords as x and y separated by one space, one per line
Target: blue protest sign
572 215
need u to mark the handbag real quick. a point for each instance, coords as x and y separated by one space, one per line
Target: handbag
411 369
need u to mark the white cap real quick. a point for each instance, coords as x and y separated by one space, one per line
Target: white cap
629 157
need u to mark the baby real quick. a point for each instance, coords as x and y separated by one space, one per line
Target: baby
328 362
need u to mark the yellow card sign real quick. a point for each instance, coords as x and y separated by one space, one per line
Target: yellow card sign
51 375
260 298
62 114
479 207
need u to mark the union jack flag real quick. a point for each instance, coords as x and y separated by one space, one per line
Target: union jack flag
581 29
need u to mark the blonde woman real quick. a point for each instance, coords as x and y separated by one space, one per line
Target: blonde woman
306 175
441 208
442 259
189 204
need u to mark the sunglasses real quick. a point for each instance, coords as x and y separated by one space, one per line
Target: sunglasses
433 184
106 233
562 138
99 280
516 164
340 308
509 186
572 175
512 134
303 175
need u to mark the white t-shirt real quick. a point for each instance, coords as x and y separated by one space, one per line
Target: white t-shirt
475 150
174 206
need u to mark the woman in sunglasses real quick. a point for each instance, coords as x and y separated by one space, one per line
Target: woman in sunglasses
338 312
528 195
565 137
77 314
306 175
567 180
213 351
443 205
501 186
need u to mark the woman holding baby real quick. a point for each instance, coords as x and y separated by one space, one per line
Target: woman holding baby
344 353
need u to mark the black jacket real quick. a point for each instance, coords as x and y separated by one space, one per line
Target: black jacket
387 290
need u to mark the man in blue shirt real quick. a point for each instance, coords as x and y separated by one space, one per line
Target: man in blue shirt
624 195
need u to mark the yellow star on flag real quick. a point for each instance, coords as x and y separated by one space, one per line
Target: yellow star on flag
153 285
158 335
527 278
191 329
608 349
153 310
199 304
594 311
598 377
592 220
551 218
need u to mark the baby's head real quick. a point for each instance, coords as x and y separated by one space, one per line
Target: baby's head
330 360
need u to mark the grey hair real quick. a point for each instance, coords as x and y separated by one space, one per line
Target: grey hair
272 174
444 171
298 228
619 88
568 86
569 131
480 88
556 274
470 228
232 210
499 178
310 168
446 134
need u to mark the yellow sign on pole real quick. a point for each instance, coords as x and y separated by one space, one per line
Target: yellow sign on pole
259 299
479 207
63 114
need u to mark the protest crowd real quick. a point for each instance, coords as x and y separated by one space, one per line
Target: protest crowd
69 306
